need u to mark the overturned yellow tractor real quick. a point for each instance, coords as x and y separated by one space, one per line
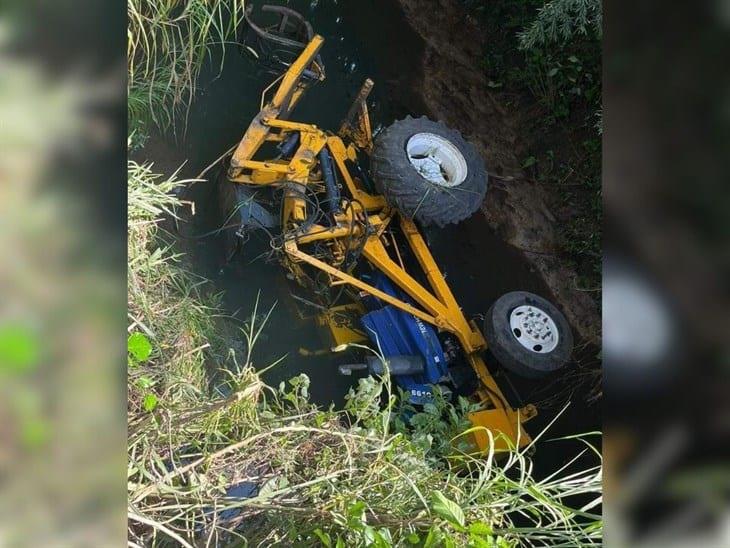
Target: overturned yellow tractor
348 231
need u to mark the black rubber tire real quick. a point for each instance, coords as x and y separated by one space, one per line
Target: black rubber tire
510 353
413 195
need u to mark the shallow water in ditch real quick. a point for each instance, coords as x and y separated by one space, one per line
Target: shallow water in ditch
367 38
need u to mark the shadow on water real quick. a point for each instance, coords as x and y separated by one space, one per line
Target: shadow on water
367 38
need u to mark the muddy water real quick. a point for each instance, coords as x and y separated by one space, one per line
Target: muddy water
367 38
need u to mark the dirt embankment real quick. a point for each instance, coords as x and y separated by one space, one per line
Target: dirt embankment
455 90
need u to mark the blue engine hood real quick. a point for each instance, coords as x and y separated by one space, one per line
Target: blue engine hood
396 333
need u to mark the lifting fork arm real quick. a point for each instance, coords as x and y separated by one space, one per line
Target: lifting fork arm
287 95
294 252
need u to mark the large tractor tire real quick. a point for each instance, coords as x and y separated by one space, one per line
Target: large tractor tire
428 171
527 334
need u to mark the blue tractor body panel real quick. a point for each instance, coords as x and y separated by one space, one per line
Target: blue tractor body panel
396 333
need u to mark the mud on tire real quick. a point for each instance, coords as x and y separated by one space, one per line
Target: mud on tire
400 158
522 353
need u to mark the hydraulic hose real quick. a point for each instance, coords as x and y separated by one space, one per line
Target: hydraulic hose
288 147
330 183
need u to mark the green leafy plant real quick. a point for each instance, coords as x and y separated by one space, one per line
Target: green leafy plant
435 427
559 21
139 347
447 509
19 349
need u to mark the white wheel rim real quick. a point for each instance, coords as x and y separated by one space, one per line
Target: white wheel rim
436 159
534 329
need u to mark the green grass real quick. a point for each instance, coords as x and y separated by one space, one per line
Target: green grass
167 43
165 303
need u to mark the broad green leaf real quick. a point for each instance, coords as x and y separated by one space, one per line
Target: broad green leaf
413 538
34 432
323 537
447 509
271 486
150 402
433 539
481 529
139 346
356 512
431 409
267 489
385 536
369 535
530 161
480 542
19 349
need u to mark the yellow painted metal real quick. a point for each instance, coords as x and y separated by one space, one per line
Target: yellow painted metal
356 125
264 177
295 253
443 317
318 233
294 208
341 329
346 227
362 223
287 95
297 169
371 202
471 338
507 432
376 253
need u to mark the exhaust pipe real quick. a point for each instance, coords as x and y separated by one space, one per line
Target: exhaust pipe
395 365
